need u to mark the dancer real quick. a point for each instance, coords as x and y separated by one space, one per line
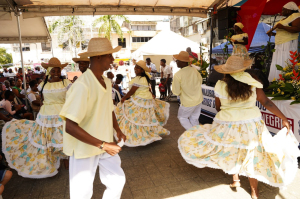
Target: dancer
286 37
187 85
83 63
90 121
34 148
142 117
239 41
236 141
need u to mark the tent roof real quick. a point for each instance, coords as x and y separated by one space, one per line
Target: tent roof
260 38
42 8
167 43
33 30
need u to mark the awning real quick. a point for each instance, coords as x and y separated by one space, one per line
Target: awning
41 8
34 30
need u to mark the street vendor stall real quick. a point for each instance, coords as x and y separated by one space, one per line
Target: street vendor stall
292 112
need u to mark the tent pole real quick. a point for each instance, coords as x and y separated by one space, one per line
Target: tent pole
21 53
211 39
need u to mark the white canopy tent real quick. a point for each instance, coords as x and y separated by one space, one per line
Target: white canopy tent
167 43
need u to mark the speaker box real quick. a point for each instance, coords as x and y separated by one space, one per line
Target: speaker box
226 19
213 78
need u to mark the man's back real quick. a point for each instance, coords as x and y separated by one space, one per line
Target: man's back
187 84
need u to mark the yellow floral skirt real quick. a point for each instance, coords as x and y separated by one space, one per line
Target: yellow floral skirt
241 148
34 148
142 120
240 50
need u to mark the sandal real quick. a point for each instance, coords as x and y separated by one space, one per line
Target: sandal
234 186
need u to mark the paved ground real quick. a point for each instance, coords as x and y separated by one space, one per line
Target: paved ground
154 171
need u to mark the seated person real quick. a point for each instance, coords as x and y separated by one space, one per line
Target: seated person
162 89
10 74
119 78
5 176
19 111
110 76
34 97
39 80
20 74
17 91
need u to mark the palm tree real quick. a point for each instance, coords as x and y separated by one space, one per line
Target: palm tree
70 32
110 23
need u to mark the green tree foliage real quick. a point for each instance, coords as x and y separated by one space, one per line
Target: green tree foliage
109 23
5 58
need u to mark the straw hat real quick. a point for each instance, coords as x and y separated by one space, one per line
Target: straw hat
99 46
234 64
54 62
76 60
183 56
142 64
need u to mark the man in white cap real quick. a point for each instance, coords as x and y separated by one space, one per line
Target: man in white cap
187 85
90 122
286 38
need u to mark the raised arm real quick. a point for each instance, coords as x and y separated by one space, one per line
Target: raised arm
129 94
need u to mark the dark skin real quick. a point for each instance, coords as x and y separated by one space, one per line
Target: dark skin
138 71
181 64
238 31
99 64
16 92
35 89
163 64
83 66
116 86
189 50
295 26
148 61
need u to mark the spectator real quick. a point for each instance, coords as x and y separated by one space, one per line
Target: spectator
118 81
19 111
12 83
132 73
5 72
167 74
152 67
17 89
162 89
192 54
38 70
34 96
5 176
11 74
7 85
39 80
20 74
110 76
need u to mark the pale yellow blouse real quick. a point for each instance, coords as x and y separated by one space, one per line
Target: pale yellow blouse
283 36
143 90
54 96
239 37
236 110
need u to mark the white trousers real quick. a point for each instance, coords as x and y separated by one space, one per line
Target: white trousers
189 116
82 173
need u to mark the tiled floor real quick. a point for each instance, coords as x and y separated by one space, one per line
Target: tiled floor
154 171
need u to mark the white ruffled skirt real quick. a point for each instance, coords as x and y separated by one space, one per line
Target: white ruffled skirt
34 148
243 147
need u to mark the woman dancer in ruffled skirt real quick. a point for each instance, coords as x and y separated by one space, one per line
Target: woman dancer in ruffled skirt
141 118
238 141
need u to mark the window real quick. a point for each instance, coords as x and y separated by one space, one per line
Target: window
122 42
143 27
141 39
25 48
46 47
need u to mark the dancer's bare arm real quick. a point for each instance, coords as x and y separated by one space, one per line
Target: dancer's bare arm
268 104
129 94
218 104
76 131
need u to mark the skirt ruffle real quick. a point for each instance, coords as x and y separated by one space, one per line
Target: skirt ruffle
239 148
141 120
34 148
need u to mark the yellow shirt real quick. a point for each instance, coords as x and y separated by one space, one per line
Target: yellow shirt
90 105
283 36
239 37
54 96
235 110
143 90
187 85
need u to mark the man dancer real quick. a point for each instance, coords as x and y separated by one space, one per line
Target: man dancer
152 67
90 120
83 63
187 85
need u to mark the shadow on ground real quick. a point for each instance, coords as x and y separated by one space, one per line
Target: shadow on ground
153 172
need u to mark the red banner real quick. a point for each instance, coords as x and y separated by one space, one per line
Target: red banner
249 15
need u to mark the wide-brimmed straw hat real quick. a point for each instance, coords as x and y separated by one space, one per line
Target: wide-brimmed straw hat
234 64
54 62
142 64
183 56
76 60
99 46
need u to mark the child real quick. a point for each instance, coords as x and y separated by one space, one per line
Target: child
141 118
238 141
119 79
162 89
110 76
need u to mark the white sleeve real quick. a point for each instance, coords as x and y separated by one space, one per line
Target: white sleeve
153 67
31 97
